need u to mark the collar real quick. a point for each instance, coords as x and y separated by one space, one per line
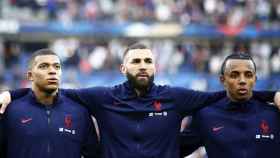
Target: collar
33 100
241 106
128 91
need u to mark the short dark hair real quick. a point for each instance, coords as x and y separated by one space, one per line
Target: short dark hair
45 51
242 56
135 46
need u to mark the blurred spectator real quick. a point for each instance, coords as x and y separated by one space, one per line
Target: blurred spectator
200 59
173 57
179 57
234 13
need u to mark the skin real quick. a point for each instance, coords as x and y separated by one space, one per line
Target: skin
139 68
45 76
239 79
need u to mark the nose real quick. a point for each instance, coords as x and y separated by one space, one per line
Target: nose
242 80
143 66
52 70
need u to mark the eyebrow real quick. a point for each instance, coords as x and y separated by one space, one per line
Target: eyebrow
147 58
50 63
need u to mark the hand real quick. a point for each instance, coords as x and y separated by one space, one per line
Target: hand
5 99
277 99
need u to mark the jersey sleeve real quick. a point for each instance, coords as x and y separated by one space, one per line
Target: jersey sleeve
19 93
190 140
91 98
264 96
90 145
189 101
3 138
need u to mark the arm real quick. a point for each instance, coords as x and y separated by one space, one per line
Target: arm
91 98
7 96
266 96
91 147
2 139
189 101
189 140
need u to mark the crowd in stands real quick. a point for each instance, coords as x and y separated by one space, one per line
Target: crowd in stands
173 57
86 58
220 12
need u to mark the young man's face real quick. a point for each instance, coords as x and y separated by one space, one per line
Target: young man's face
239 79
139 67
45 73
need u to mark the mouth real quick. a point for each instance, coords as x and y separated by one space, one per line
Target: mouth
142 75
53 81
242 91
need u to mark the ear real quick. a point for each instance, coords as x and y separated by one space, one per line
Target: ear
29 75
123 69
256 78
222 79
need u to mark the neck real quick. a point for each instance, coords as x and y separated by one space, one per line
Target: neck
140 92
238 99
44 97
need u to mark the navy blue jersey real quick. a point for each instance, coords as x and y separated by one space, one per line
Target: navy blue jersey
146 126
141 127
237 130
62 130
2 145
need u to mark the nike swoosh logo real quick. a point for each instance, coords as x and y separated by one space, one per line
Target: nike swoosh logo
26 120
216 129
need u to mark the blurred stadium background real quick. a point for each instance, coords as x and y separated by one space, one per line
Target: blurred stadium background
189 37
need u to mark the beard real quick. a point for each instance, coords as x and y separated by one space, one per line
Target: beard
141 85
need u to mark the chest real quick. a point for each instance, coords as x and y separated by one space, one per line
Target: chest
143 117
39 123
240 129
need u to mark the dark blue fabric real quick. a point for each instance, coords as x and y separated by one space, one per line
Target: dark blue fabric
67 132
141 127
228 129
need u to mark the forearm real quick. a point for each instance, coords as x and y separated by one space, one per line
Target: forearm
264 96
18 93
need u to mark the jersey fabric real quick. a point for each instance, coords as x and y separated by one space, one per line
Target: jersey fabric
141 127
61 130
145 126
229 129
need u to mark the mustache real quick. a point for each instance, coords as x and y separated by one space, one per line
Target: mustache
137 84
142 74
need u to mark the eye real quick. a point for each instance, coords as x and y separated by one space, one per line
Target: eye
233 75
249 74
57 67
148 60
136 61
43 66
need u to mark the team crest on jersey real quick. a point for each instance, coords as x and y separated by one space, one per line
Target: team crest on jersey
265 132
68 121
157 105
67 125
264 127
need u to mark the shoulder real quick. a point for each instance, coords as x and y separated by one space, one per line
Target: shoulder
219 106
18 103
72 105
183 90
91 90
162 89
265 106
